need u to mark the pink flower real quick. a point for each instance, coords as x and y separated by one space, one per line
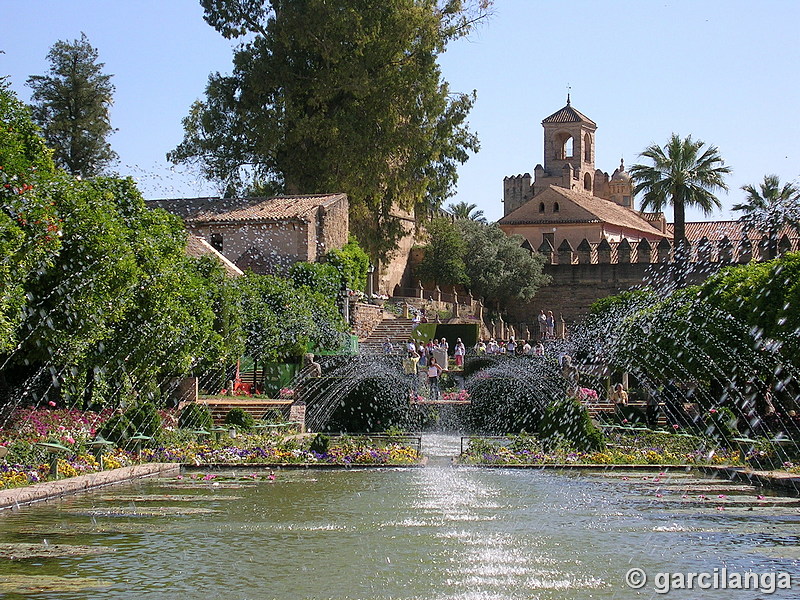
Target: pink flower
71 440
51 403
676 426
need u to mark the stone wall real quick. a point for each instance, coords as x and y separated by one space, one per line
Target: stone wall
334 225
364 318
396 272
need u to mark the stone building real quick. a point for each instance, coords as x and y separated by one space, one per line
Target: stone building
266 235
569 199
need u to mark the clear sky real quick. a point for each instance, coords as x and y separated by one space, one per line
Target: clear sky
723 71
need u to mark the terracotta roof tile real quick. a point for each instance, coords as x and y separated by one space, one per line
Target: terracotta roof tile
197 247
568 115
595 210
716 230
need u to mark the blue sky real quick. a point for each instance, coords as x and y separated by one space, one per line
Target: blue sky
723 71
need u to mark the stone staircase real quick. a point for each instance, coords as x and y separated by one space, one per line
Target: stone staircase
398 330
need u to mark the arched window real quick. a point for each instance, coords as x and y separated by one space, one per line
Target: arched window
587 148
587 182
556 208
563 144
541 207
216 241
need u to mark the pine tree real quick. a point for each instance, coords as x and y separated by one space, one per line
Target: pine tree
71 104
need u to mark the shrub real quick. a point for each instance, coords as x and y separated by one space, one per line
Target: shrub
195 416
720 423
240 418
117 429
630 415
479 363
144 419
568 422
320 444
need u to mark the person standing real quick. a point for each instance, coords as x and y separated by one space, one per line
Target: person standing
550 321
434 371
619 396
459 352
542 320
410 368
526 348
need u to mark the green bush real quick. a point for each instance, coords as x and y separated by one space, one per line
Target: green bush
480 363
144 419
567 422
630 415
240 418
721 423
196 416
320 444
117 429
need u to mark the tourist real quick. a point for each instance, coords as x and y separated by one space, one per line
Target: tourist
526 348
511 347
480 348
411 346
619 396
423 356
542 320
538 350
653 407
444 346
459 352
434 371
387 347
551 324
410 363
492 348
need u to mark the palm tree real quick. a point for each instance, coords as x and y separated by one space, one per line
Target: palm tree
462 210
770 210
684 173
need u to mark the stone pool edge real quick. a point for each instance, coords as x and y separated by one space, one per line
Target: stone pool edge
48 490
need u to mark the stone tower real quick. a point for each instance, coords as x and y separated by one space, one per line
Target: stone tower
620 187
568 151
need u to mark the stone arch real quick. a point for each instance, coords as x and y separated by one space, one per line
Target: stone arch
587 148
564 145
587 182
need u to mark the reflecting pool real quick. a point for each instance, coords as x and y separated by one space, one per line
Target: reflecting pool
417 533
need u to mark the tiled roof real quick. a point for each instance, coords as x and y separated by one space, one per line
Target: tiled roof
197 247
568 115
716 230
595 210
237 210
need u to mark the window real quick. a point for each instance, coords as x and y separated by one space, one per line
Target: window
563 146
556 208
216 241
541 207
587 182
587 148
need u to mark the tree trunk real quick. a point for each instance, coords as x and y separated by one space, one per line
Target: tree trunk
679 240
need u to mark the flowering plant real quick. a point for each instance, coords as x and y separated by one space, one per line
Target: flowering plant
459 396
587 394
286 393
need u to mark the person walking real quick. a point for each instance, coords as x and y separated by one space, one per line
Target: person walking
434 371
542 320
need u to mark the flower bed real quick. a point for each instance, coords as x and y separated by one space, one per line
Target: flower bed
624 448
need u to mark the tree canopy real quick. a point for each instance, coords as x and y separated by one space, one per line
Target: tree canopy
340 96
465 210
444 255
685 172
769 209
72 106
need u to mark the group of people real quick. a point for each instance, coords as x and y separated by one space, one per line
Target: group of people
547 325
509 347
432 357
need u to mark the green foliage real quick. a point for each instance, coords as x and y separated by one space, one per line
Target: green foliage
685 172
373 405
144 419
567 422
721 423
29 226
117 429
281 321
352 263
769 209
498 268
72 105
321 277
320 444
465 210
474 364
630 415
444 255
337 96
196 416
240 418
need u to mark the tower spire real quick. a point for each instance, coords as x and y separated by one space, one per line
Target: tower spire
569 87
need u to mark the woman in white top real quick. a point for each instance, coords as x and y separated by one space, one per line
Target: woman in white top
459 352
434 370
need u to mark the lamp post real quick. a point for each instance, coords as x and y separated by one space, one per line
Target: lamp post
370 282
